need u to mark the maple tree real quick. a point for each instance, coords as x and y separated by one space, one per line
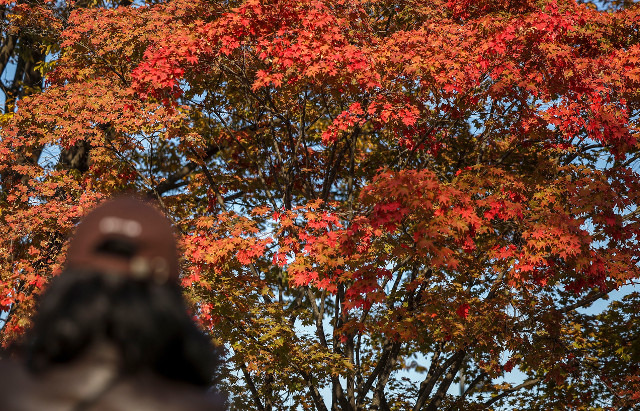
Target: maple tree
360 188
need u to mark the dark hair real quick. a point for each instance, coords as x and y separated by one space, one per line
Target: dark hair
148 323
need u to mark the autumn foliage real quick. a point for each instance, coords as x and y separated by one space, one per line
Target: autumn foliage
361 188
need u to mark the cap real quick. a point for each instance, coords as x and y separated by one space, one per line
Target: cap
126 236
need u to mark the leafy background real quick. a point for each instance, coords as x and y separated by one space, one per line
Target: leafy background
359 188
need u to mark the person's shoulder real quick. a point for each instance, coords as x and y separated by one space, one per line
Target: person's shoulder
148 392
16 386
62 387
13 375
7 367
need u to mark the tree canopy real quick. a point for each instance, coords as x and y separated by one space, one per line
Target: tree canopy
360 187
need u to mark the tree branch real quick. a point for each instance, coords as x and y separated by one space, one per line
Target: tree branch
446 383
386 359
338 394
252 387
313 391
172 181
432 377
7 51
510 391
383 378
318 314
586 301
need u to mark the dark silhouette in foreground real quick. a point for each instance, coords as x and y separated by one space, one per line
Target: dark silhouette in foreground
112 331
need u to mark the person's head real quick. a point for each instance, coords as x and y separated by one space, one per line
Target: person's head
120 286
126 237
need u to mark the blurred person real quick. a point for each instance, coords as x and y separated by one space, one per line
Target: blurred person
112 331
